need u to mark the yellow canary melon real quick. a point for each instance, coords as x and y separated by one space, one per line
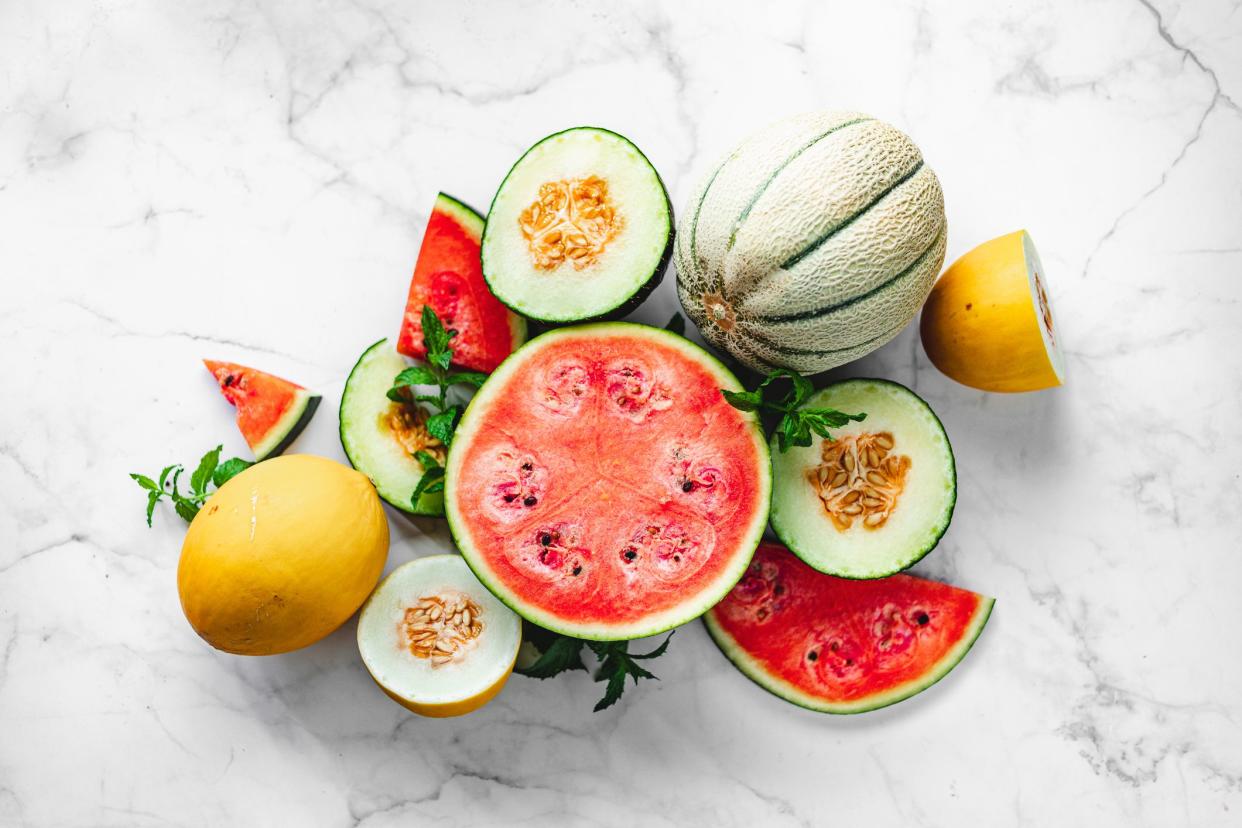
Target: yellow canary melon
988 322
282 555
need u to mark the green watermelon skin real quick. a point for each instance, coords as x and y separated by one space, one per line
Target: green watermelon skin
836 645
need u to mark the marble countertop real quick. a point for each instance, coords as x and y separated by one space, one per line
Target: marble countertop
249 180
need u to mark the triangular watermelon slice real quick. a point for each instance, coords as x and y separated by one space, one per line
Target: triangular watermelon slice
271 411
449 277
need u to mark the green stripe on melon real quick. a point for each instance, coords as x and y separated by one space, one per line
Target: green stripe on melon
822 234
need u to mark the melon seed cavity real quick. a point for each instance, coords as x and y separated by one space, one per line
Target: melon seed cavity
571 220
441 627
860 479
408 425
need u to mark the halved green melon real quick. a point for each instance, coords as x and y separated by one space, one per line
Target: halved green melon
877 497
368 420
581 228
435 640
842 646
271 412
601 486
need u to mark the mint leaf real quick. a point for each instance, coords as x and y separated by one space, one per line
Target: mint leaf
435 339
795 425
563 654
616 686
145 482
658 651
471 378
744 400
164 474
152 498
442 425
187 509
229 469
427 461
206 468
677 324
430 483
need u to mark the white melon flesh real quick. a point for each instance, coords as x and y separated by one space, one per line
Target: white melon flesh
813 243
920 512
429 685
629 265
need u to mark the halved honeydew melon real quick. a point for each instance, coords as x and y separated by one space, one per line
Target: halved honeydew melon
380 436
435 640
988 322
580 229
876 498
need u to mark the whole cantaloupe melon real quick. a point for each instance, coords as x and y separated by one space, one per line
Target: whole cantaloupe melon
282 555
813 243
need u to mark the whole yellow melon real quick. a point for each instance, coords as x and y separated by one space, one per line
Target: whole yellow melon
282 555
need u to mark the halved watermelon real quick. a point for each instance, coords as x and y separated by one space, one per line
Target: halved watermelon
271 412
838 645
601 486
449 277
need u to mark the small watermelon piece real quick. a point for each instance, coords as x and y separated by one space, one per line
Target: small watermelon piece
838 645
449 277
601 486
271 412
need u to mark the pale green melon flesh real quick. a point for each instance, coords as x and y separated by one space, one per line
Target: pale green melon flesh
368 442
924 507
482 662
629 263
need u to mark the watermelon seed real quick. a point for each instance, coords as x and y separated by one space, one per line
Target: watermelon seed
509 498
687 486
630 554
812 656
922 618
779 589
526 467
545 539
578 569
530 501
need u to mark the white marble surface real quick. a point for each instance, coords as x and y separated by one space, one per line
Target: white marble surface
249 180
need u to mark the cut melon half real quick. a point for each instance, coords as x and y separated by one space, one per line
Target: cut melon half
380 436
877 497
988 322
840 646
580 229
435 640
271 412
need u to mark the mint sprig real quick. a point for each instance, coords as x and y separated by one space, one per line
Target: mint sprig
616 663
168 485
434 372
796 424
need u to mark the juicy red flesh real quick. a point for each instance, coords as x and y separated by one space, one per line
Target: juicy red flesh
261 399
449 278
574 490
841 640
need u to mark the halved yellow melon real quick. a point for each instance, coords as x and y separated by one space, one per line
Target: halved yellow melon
435 640
988 322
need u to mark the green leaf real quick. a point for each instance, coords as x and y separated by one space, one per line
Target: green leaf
206 468
416 375
153 497
145 482
229 469
743 400
186 508
616 686
425 483
435 339
164 474
471 378
427 461
658 651
563 654
442 425
677 324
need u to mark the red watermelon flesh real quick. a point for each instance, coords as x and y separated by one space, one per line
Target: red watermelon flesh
839 645
601 485
271 412
449 278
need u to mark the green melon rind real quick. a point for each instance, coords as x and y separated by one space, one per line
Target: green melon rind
669 619
473 221
431 505
641 293
754 670
282 434
812 560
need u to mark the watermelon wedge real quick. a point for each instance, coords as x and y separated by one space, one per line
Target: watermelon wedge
449 277
601 486
843 646
271 412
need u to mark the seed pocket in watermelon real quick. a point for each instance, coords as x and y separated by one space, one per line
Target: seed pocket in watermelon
449 277
271 412
843 646
600 484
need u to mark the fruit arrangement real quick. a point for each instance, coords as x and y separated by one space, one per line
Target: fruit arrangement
606 481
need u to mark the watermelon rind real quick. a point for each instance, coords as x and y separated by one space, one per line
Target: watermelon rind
754 670
286 429
800 522
652 625
637 280
393 472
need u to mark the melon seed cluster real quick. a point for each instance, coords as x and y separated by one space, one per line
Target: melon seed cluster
859 479
573 220
408 425
439 626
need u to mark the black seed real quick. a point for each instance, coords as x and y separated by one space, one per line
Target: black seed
545 539
812 656
688 486
849 662
779 589
229 380
530 501
677 558
527 467
577 570
630 554
509 498
922 618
